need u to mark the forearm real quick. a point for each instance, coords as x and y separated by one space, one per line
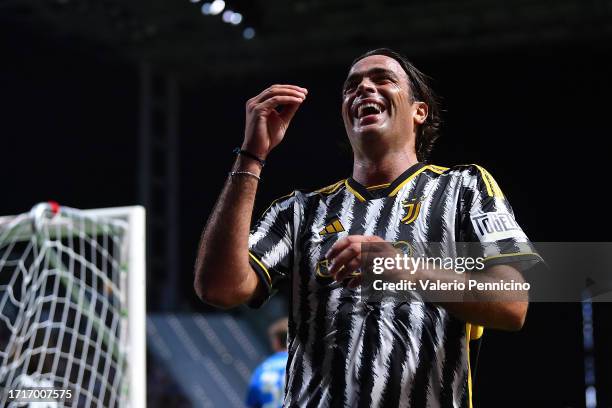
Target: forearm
223 276
494 309
497 315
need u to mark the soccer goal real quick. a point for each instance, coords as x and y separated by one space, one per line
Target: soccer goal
72 305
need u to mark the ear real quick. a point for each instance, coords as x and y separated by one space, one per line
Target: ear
420 113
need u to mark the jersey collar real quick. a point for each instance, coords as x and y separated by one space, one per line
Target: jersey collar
364 193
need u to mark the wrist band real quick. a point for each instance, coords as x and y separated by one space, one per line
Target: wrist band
250 155
245 173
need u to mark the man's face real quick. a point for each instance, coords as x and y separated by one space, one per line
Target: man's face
377 100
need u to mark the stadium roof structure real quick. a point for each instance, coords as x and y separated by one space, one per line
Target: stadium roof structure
175 36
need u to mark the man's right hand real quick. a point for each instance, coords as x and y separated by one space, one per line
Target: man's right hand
265 126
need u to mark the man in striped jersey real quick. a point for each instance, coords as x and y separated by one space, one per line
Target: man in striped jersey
344 352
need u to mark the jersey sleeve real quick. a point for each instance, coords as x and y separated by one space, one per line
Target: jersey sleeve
271 245
490 221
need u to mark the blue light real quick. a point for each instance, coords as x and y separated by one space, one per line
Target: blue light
248 33
206 9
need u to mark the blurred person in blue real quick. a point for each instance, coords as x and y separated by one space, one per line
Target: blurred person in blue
267 387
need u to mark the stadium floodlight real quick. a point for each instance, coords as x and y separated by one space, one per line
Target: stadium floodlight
72 304
206 8
216 7
248 33
236 18
227 16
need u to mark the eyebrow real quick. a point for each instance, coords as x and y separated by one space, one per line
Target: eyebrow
372 71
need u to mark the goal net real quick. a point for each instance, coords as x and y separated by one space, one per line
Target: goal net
72 305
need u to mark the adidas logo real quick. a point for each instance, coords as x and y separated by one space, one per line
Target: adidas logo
332 228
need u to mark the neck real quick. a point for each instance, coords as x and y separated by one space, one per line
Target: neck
383 168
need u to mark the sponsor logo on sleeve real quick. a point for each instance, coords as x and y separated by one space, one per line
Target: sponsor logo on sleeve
495 226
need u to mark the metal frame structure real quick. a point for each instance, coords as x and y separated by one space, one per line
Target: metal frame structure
135 217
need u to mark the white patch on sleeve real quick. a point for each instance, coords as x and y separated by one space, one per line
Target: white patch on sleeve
496 226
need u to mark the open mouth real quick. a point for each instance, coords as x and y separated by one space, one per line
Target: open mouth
368 109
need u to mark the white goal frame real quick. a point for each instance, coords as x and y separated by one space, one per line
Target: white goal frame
136 284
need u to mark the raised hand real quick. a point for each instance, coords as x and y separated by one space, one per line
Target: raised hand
268 116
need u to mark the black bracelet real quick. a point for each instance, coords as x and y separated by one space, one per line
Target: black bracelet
250 155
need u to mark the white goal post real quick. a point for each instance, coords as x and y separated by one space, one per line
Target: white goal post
72 305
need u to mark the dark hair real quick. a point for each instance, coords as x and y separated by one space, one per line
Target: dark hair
427 134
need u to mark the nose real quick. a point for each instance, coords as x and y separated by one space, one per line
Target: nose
366 86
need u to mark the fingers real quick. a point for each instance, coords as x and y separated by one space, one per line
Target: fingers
290 95
274 101
345 257
287 114
297 88
276 90
345 261
340 245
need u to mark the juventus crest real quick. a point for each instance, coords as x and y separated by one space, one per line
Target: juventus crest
412 207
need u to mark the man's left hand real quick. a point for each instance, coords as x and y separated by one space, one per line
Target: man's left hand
344 257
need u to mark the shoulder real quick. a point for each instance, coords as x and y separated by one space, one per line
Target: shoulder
475 176
322 192
299 194
303 198
465 171
471 176
460 170
330 189
280 205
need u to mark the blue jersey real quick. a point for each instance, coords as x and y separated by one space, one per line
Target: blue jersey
267 388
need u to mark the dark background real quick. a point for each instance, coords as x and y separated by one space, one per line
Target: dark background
531 108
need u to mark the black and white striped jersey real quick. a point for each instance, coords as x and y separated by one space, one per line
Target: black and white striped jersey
347 353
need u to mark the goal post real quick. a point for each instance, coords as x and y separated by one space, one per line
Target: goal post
72 304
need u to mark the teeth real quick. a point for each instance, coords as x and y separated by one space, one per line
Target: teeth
368 105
